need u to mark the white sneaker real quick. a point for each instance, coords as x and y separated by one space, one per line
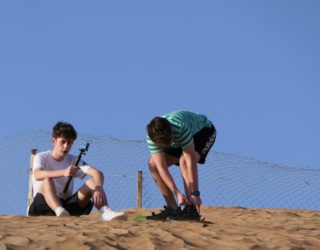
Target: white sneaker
61 212
64 214
109 214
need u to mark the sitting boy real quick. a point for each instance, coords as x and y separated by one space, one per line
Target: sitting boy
51 170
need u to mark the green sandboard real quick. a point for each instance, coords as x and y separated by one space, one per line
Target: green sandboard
141 218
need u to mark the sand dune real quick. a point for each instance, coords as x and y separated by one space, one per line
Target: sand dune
228 228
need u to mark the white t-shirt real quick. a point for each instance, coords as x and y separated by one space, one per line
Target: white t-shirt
45 161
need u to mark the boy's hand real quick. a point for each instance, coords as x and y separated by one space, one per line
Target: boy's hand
98 197
70 171
182 200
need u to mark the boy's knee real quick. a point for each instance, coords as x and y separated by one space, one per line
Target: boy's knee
182 162
90 183
47 182
46 185
152 165
101 175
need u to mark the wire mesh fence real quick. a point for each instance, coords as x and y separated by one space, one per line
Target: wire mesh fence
225 179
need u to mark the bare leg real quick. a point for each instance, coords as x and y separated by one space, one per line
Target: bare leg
48 191
85 193
166 192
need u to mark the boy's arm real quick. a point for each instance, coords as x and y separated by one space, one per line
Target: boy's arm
190 157
98 196
97 176
162 168
41 174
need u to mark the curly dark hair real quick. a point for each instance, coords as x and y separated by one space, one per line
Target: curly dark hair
160 132
64 129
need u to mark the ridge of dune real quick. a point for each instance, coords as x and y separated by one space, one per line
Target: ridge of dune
230 228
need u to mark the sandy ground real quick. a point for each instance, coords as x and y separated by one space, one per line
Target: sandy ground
228 228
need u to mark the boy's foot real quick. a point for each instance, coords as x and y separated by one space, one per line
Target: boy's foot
61 212
109 214
189 212
166 214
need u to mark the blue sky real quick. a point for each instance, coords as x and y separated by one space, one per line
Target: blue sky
108 67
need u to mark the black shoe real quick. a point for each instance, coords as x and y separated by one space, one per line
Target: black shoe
166 214
189 212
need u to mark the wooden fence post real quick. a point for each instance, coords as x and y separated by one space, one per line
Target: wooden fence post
139 193
30 193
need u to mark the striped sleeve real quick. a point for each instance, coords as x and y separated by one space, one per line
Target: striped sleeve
153 148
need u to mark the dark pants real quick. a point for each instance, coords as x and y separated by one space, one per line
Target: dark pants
203 141
39 206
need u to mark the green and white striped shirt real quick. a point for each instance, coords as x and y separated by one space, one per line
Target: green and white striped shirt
184 125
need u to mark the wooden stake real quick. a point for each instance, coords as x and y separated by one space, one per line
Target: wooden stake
30 193
139 193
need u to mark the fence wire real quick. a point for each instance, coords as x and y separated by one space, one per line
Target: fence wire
225 179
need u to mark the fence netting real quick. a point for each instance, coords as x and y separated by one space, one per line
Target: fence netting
225 179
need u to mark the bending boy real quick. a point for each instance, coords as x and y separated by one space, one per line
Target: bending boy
182 138
51 170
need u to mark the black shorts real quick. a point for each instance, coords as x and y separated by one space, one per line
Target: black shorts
40 207
203 140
